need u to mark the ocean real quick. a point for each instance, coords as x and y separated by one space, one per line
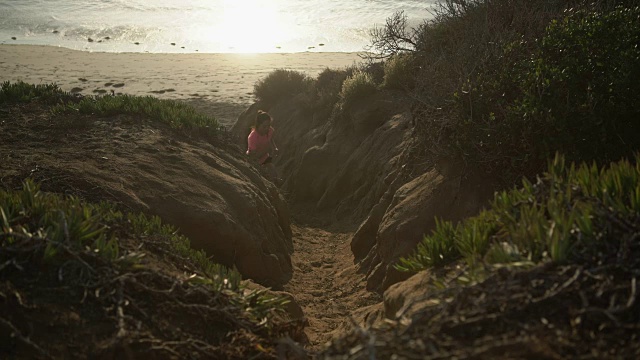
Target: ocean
206 26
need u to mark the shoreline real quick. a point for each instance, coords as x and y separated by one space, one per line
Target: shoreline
220 84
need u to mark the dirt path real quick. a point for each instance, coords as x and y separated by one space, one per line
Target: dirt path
325 281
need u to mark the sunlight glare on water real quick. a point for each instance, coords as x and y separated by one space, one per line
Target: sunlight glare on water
238 26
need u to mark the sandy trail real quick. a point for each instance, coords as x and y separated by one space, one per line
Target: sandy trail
325 281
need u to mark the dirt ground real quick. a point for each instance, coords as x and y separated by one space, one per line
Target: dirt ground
325 281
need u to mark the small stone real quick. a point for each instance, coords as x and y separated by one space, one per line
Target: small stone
90 40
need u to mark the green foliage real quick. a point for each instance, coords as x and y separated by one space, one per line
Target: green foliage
328 85
61 231
582 87
59 222
527 78
436 250
65 224
570 214
399 72
216 275
176 114
573 91
23 92
356 87
280 84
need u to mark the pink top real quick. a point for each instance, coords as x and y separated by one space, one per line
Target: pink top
258 143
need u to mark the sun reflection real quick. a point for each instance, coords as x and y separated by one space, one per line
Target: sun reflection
250 26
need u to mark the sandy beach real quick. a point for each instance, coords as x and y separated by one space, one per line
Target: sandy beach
219 84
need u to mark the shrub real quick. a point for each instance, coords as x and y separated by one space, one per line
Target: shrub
582 87
392 38
23 92
176 114
356 87
65 226
328 85
280 84
573 90
571 214
399 72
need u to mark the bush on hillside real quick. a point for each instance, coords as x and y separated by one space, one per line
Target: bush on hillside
569 215
527 79
280 84
356 87
392 38
328 85
572 91
583 87
65 224
399 72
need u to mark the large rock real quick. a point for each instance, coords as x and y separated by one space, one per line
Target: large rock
438 193
209 191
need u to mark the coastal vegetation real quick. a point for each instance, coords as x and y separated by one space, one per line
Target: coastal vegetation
541 97
65 105
570 214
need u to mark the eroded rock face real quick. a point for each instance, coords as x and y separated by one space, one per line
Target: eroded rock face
361 165
210 192
411 213
230 212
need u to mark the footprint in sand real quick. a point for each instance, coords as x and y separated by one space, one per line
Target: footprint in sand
99 91
118 85
76 90
108 84
82 79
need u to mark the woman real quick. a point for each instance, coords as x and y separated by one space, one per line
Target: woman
261 146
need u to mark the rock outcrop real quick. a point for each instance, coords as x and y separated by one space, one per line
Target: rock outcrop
362 163
210 192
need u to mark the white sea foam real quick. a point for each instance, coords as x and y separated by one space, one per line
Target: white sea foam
201 25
